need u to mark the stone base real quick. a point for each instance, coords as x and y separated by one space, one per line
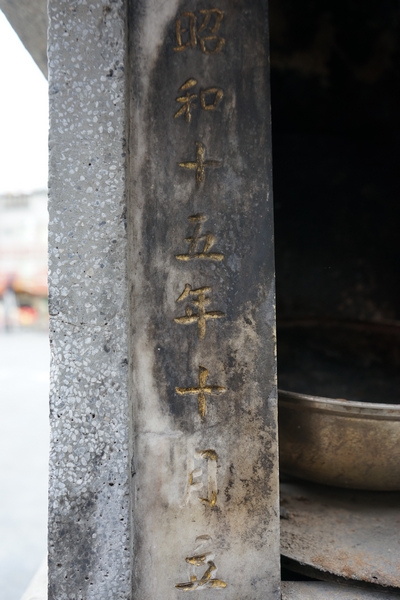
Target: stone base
37 590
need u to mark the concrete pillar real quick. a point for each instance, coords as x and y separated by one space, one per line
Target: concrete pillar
164 452
90 542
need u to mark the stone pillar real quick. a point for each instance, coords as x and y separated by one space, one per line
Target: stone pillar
203 338
164 455
90 517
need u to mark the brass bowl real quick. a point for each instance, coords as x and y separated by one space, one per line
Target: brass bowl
339 442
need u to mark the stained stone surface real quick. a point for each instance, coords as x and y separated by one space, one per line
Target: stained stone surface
298 590
202 275
90 545
198 368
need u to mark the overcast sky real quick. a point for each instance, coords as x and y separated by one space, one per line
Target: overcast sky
23 117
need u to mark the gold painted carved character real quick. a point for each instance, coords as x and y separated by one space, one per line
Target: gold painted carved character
187 32
201 390
185 29
208 580
200 164
195 241
187 101
200 300
209 99
208 33
195 483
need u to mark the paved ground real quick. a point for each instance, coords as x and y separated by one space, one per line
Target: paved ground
24 439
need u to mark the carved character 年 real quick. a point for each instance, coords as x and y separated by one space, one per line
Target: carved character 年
199 299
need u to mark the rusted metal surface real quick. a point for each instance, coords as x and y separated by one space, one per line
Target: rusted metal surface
299 590
338 442
352 535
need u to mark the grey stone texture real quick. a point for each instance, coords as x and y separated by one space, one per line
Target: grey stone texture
206 485
161 281
318 590
90 544
29 19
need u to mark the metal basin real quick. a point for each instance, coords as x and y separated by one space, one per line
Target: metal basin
352 443
339 442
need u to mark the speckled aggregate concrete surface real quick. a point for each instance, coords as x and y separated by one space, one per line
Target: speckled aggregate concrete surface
90 464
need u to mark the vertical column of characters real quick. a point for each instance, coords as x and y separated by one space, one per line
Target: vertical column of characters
200 31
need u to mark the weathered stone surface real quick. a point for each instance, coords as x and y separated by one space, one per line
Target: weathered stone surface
29 19
201 303
317 590
90 545
202 273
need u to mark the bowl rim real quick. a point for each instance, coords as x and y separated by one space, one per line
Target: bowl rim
339 406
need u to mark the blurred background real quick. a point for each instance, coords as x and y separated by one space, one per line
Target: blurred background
24 347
